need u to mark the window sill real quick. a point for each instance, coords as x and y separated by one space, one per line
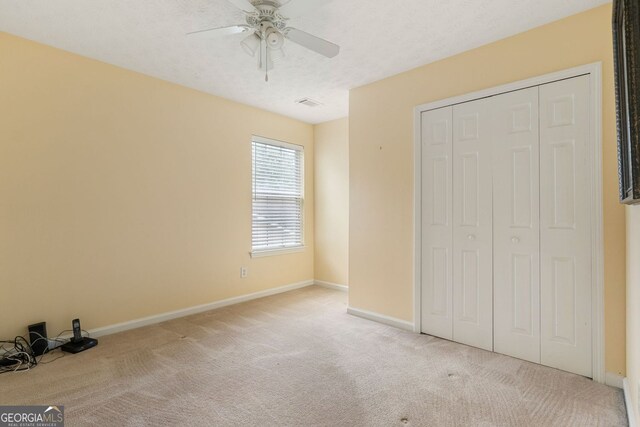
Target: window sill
274 252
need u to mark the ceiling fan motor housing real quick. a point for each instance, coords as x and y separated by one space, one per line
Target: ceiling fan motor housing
266 15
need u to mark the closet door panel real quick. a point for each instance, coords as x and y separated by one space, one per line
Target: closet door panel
516 196
437 221
565 223
472 229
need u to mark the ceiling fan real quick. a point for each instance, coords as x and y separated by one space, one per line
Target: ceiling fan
266 21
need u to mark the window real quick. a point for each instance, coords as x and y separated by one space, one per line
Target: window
278 191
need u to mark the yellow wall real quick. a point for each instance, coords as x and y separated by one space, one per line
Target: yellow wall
124 196
633 306
381 160
331 145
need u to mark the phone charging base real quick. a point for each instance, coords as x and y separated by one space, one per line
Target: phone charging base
78 346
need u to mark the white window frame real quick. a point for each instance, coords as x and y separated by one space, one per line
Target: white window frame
257 253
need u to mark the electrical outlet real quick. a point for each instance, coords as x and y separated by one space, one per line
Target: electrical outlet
244 272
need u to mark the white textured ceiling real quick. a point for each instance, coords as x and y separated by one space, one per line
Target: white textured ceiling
377 38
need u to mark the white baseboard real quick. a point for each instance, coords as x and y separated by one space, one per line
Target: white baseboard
613 380
631 413
137 323
381 318
330 285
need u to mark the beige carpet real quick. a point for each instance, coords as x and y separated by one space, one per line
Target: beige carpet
298 359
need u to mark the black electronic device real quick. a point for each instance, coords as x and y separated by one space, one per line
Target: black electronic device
38 338
78 343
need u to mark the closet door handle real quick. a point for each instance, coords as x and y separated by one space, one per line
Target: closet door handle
471 237
515 240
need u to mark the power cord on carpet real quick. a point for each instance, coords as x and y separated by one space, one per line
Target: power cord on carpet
18 355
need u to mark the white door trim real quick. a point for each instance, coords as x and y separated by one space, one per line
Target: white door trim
595 151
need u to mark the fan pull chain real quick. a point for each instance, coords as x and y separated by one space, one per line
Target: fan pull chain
266 64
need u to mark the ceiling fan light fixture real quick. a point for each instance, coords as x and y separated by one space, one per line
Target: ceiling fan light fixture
274 38
251 44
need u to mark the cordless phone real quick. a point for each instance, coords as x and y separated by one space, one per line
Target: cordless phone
78 343
77 331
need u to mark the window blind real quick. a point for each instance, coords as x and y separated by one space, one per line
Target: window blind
277 195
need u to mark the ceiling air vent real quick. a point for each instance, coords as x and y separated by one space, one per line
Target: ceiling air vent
308 102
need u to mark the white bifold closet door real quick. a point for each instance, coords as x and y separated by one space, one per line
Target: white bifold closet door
437 223
506 224
472 225
516 224
565 226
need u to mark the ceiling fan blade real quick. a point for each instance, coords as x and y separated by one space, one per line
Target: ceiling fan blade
294 8
245 5
316 44
220 31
